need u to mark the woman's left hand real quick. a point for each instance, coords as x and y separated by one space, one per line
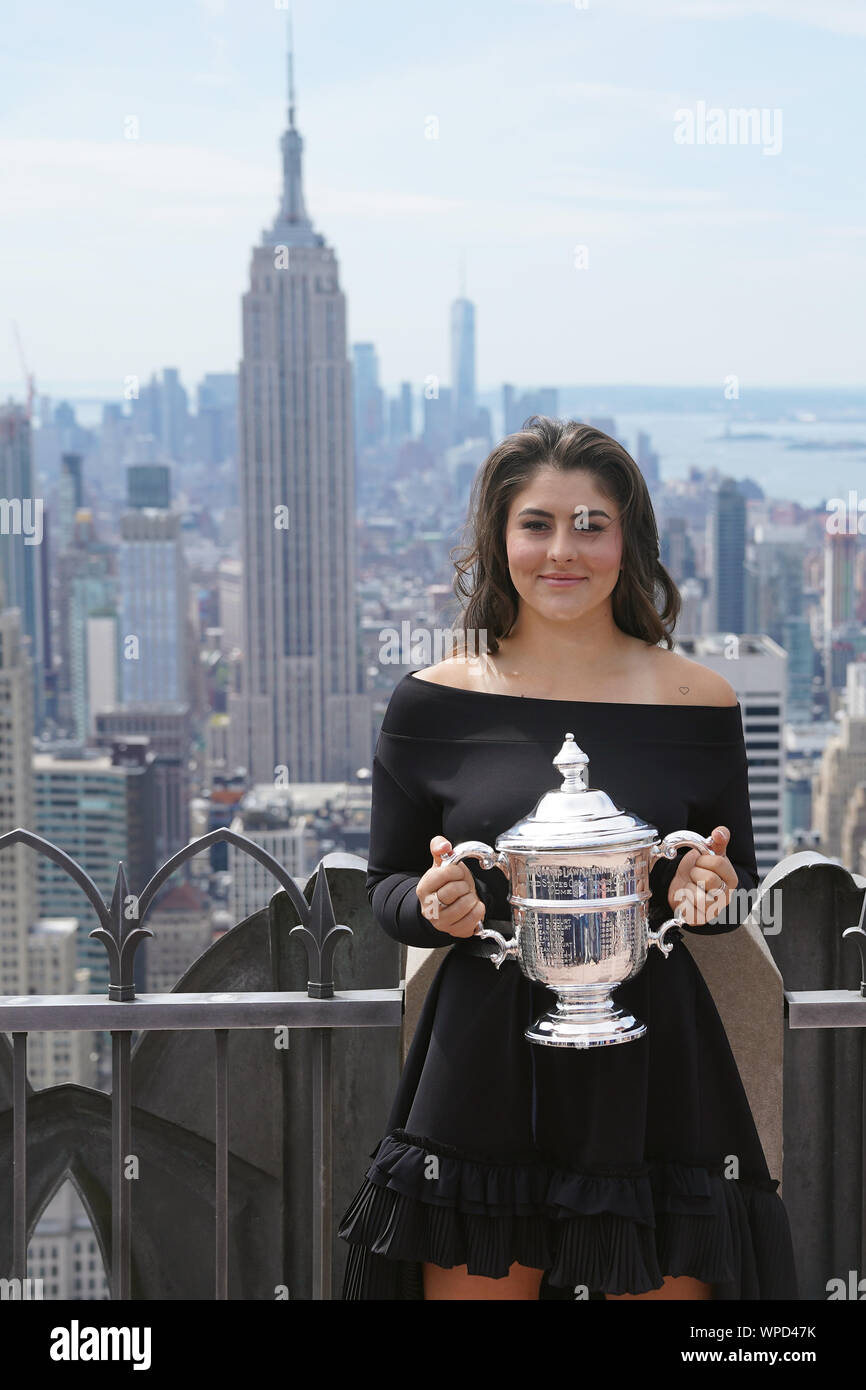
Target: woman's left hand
703 884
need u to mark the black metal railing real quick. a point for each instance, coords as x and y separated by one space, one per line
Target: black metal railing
319 1010
840 1008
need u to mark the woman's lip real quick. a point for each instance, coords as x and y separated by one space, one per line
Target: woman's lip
563 579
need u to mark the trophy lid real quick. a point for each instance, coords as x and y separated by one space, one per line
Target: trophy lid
576 816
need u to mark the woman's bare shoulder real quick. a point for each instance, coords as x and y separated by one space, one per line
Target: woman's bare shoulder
460 671
682 681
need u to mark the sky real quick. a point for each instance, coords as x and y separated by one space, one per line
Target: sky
555 125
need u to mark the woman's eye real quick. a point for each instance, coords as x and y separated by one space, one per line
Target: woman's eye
534 525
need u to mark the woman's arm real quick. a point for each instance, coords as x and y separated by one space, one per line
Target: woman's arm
730 806
401 828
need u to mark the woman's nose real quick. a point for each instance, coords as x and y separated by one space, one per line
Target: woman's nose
565 544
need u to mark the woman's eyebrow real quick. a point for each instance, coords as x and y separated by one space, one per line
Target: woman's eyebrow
538 511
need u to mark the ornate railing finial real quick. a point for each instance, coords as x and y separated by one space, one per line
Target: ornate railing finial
119 927
320 937
121 940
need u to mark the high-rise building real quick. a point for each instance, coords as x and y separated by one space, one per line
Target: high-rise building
400 422
369 407
299 707
774 564
840 553
70 491
147 411
855 689
217 417
756 668
647 461
165 730
154 595
439 428
265 816
175 415
463 367
161 410
85 600
17 886
842 634
677 551
22 535
516 409
148 485
841 771
797 641
230 592
98 807
726 526
693 605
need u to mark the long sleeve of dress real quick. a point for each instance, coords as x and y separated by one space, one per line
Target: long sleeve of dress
401 828
730 806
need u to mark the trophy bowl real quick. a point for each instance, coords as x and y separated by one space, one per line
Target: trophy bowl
578 867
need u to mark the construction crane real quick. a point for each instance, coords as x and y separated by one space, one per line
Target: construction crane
28 376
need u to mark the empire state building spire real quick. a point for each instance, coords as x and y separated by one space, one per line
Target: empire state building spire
292 226
302 714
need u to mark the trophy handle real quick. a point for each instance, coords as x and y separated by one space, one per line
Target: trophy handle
668 848
656 938
477 849
489 859
678 839
507 949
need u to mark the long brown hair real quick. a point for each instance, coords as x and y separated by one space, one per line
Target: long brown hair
645 600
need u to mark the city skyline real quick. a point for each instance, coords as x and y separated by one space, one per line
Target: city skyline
718 259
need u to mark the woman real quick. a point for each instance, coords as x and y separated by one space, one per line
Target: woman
516 1171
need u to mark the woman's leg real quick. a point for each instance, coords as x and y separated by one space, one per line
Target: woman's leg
681 1286
456 1283
524 1283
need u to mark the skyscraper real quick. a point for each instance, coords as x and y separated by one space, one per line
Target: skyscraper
70 492
400 415
756 668
842 634
99 807
727 551
517 408
17 887
153 586
22 535
299 708
369 398
217 417
463 367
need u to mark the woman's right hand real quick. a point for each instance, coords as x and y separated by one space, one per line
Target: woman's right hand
459 909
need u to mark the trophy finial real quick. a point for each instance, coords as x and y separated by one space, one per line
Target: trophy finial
573 765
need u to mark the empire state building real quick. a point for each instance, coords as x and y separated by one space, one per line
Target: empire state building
299 717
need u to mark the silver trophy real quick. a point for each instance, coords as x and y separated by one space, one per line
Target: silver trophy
579 867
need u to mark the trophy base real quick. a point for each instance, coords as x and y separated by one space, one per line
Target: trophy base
585 1024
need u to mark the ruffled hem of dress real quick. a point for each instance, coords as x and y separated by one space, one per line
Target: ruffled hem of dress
612 1230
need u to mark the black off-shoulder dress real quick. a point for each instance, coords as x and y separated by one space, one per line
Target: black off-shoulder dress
608 1167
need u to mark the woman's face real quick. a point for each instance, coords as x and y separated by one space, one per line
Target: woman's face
561 524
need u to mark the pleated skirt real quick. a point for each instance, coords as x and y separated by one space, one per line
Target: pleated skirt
607 1168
